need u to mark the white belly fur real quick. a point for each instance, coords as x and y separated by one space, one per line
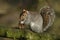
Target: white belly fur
37 26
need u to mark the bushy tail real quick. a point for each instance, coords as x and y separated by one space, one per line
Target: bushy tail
46 10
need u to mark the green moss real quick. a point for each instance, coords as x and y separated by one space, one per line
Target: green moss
32 36
43 36
14 33
46 36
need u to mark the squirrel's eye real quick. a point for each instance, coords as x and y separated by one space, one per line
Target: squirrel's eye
23 15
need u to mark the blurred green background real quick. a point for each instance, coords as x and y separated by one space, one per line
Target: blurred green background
9 14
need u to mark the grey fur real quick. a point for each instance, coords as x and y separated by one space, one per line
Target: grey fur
51 16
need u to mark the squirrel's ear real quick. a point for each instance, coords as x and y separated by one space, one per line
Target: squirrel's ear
24 10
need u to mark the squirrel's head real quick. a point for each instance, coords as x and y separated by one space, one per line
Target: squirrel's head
23 16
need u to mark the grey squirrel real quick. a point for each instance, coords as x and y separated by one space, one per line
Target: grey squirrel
38 21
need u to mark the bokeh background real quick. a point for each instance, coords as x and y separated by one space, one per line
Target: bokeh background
9 15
